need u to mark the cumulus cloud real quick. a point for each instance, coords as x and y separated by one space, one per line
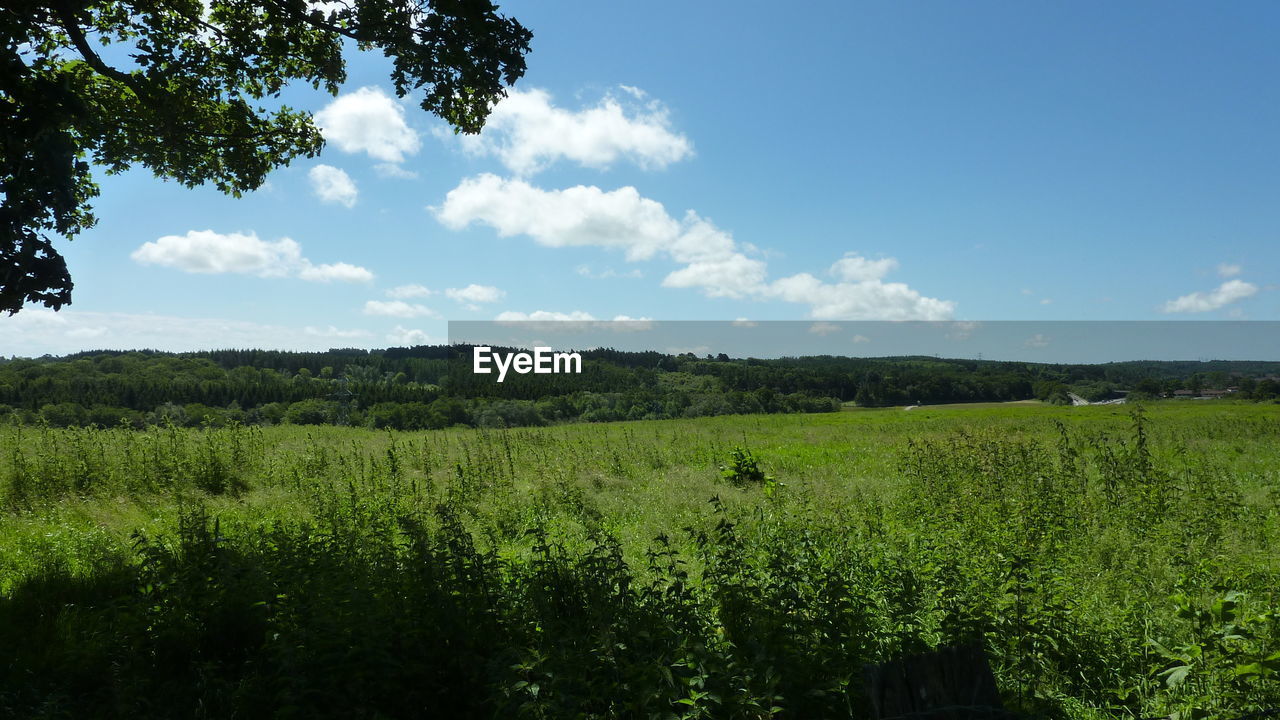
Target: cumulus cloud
527 132
577 216
397 308
211 253
405 292
208 252
824 328
333 185
857 269
1225 294
335 272
368 121
1228 270
620 219
859 293
713 261
475 294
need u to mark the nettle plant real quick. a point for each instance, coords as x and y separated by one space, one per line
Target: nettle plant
743 470
1228 661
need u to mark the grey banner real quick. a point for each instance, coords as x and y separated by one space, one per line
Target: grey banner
1072 342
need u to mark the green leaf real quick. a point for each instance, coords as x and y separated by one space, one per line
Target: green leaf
1175 675
1248 670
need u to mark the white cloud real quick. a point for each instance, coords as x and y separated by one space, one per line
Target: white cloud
626 323
474 294
333 185
1046 301
392 170
397 308
333 332
405 336
713 262
1227 270
544 316
861 339
577 216
527 133
1225 294
871 299
824 328
368 121
576 321
732 275
857 269
744 323
405 292
36 331
86 332
210 253
38 318
335 272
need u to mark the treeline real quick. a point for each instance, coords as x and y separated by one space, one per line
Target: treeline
433 386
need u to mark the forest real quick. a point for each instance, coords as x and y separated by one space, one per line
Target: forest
431 387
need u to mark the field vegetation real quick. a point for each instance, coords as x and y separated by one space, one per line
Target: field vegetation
1113 563
433 387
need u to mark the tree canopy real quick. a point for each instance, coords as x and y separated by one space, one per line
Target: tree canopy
179 86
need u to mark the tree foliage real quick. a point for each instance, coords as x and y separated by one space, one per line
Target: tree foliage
429 387
188 89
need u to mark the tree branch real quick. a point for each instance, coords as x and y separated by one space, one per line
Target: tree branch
318 24
81 43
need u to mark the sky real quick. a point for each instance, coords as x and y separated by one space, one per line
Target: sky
964 162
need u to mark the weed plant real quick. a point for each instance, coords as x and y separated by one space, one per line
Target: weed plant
1112 564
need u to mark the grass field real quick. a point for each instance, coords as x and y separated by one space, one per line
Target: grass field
1113 562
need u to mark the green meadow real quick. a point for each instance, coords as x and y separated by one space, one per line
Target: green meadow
1113 562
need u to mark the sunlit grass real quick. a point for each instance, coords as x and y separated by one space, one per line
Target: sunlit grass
1055 534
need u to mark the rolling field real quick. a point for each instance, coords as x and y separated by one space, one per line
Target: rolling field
1112 562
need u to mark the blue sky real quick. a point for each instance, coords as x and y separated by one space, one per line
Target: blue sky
716 161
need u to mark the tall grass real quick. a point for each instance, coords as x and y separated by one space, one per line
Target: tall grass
1112 564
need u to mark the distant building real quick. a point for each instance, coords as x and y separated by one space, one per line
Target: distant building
1207 394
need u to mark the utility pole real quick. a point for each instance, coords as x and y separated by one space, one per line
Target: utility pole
345 399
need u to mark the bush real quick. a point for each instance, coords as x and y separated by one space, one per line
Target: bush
311 412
